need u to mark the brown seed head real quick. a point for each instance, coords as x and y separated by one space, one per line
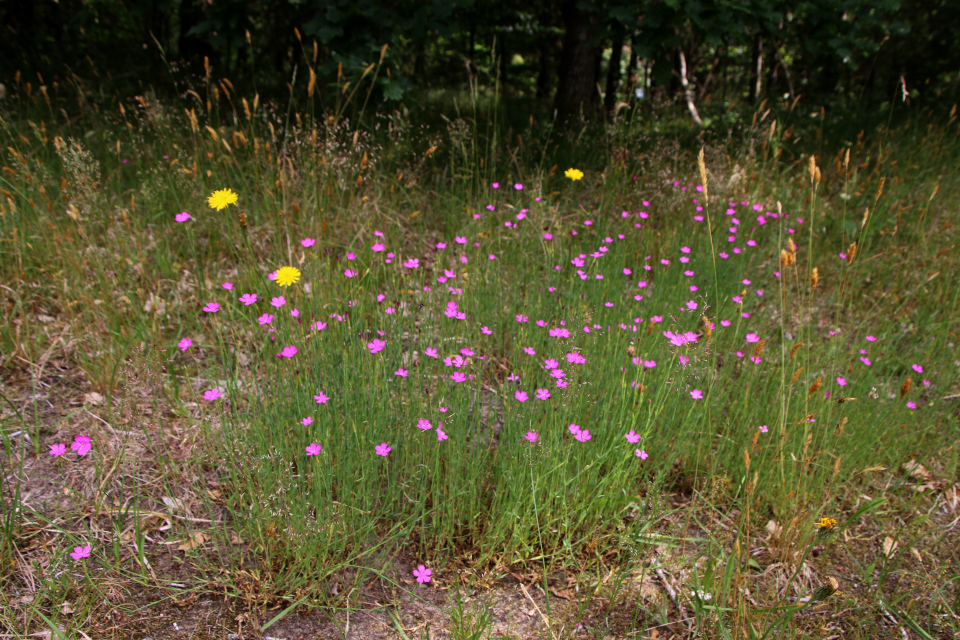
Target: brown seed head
631 351
815 387
796 375
866 214
843 423
793 352
905 387
707 327
851 253
703 174
814 278
812 167
243 220
883 180
759 348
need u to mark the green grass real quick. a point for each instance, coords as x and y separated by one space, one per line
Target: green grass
100 284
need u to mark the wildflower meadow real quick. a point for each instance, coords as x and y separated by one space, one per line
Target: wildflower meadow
279 375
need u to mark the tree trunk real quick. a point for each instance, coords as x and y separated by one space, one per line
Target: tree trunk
579 61
756 72
613 71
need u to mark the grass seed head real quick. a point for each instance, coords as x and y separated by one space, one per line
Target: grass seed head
814 278
851 253
793 352
796 375
815 386
703 174
905 387
759 348
843 423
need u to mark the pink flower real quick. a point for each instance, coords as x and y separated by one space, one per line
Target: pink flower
322 398
289 352
441 246
383 450
696 394
458 376
649 364
403 373
642 454
227 285
308 242
917 368
58 449
542 394
377 247
583 435
522 318
296 312
421 573
911 405
278 302
486 331
412 263
185 344
318 326
632 437
752 337
248 298
521 396
307 421
350 273
313 449
865 360
460 239
376 345
212 307
424 424
431 352
182 217
212 395
841 381
441 434
265 319
79 553
573 428
81 445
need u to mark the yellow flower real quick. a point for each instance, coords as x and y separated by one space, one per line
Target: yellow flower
826 523
286 276
222 199
573 174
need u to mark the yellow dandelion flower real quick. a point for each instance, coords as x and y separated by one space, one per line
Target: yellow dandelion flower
573 174
222 199
286 276
826 523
